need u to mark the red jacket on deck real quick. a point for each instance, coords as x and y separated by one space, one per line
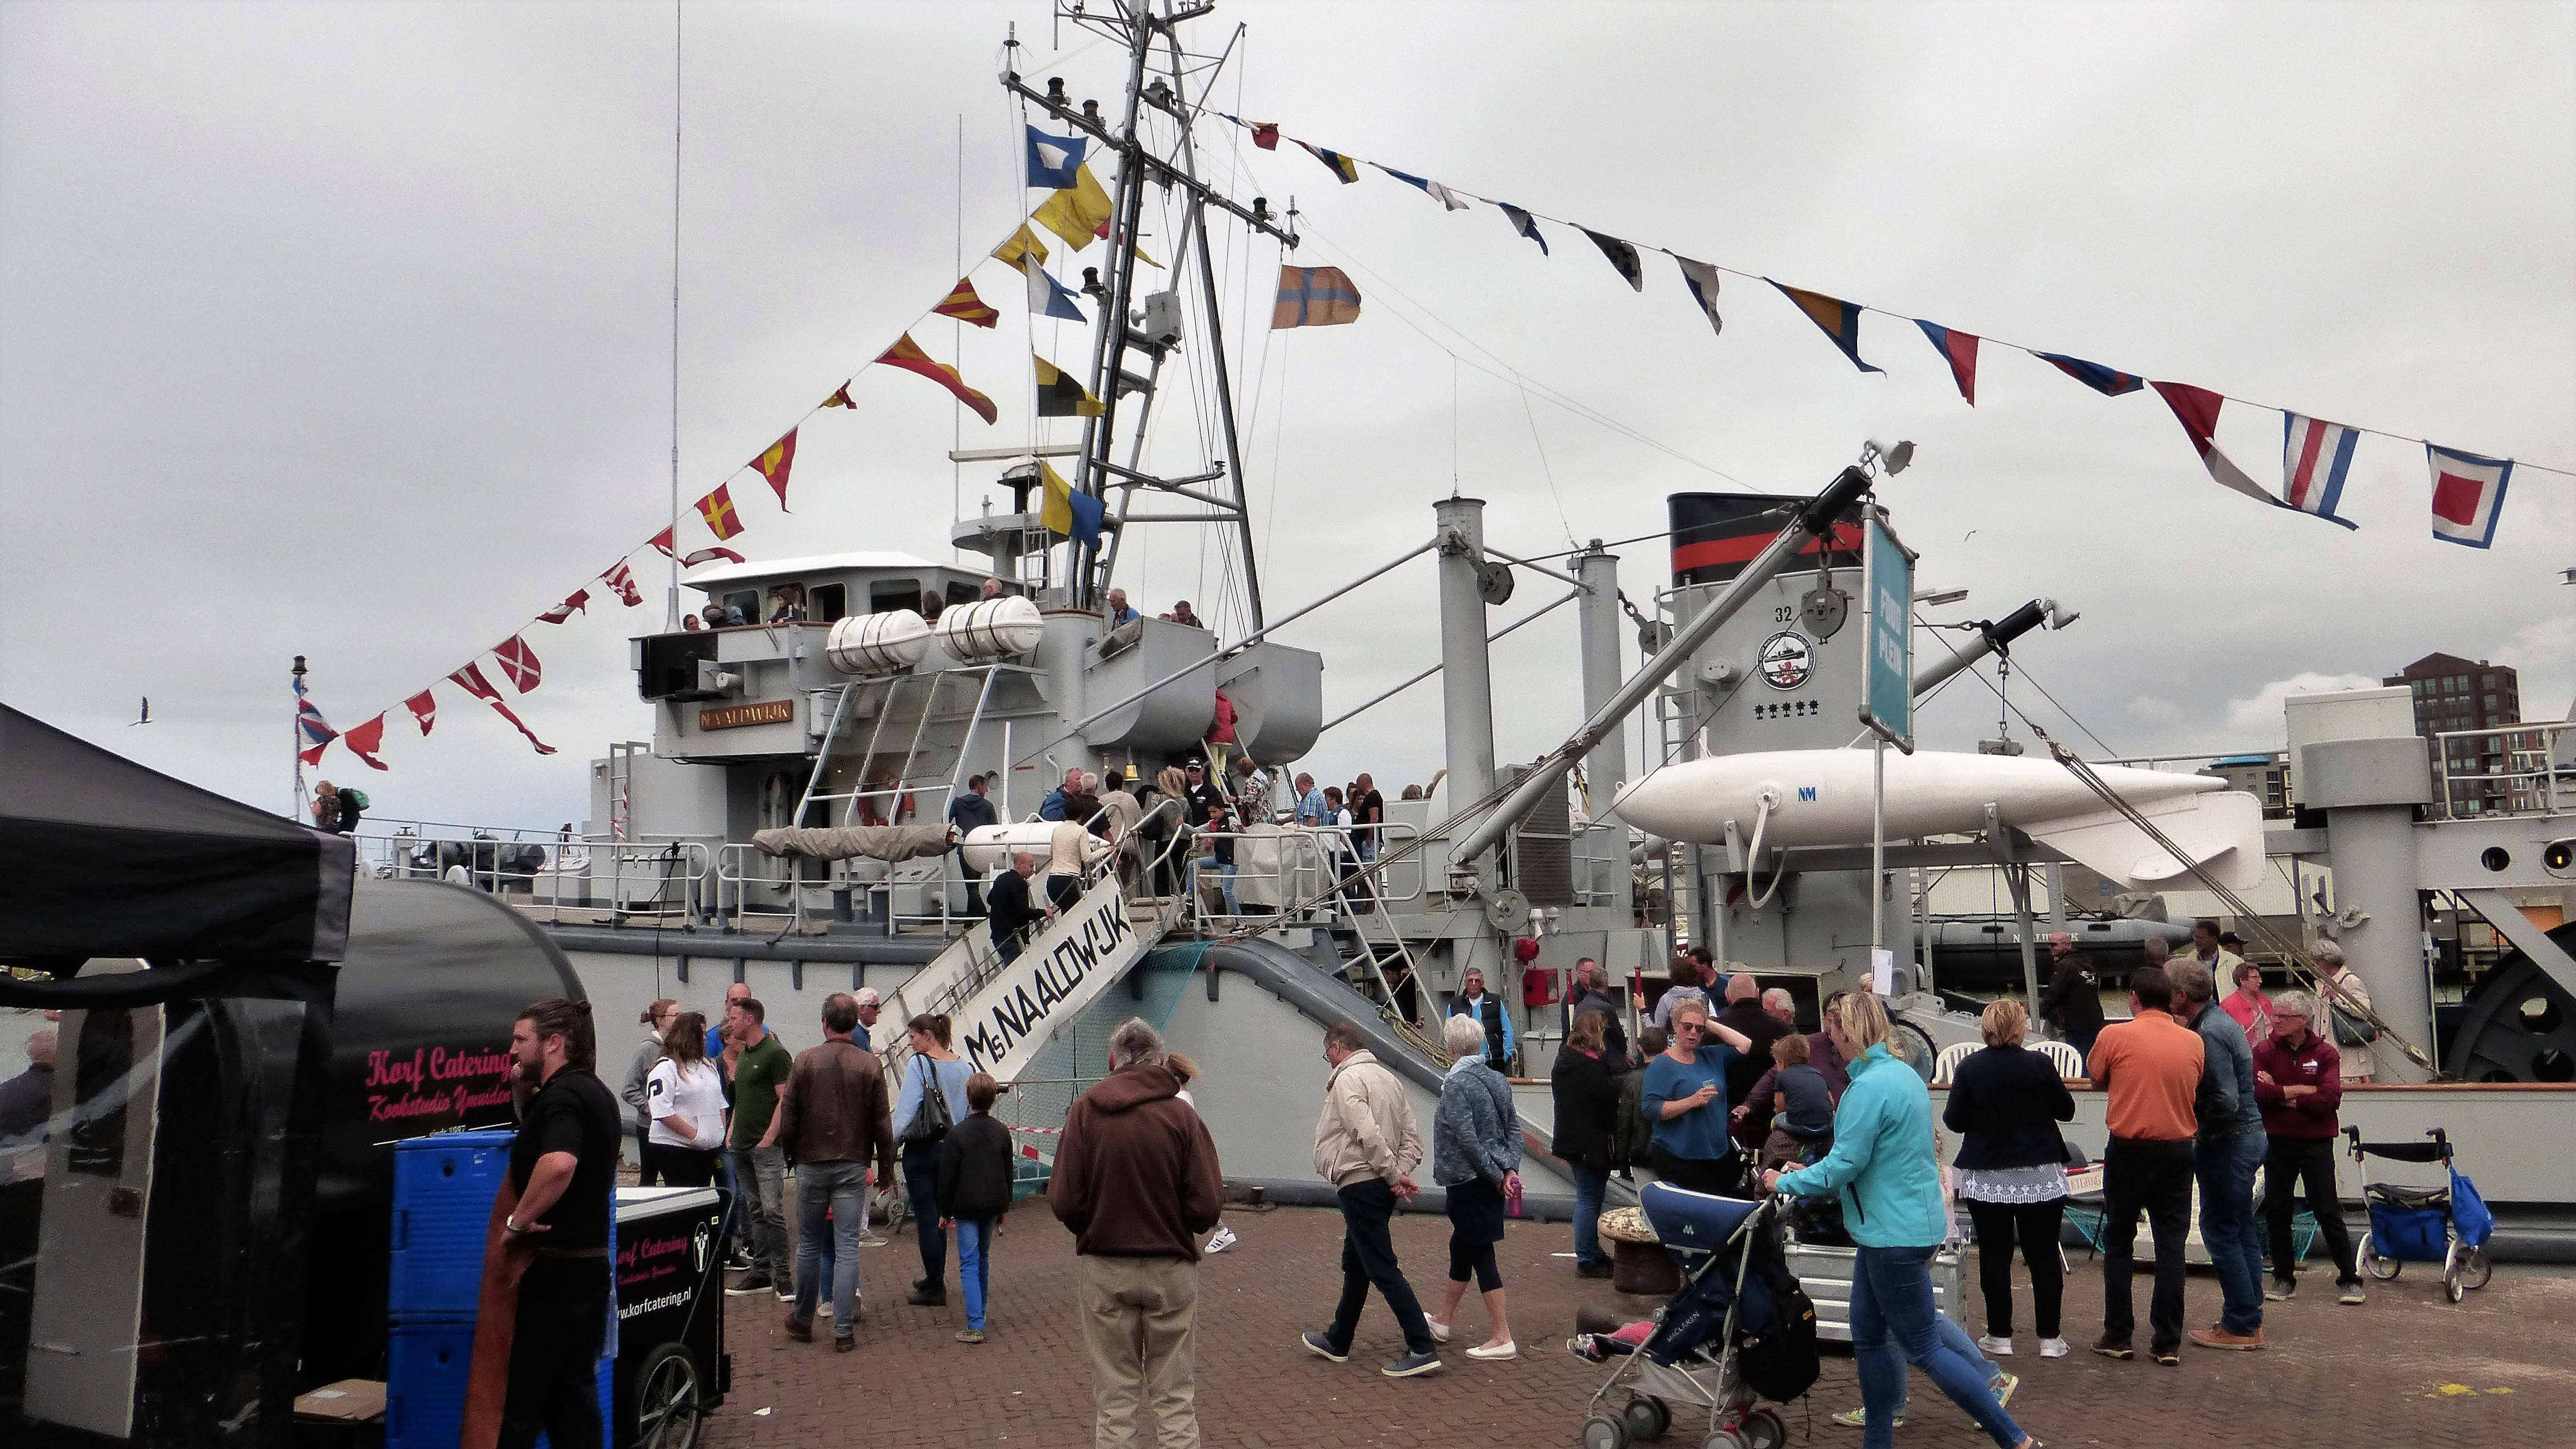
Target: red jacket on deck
2315 1064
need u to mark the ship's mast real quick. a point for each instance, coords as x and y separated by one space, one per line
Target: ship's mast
1140 25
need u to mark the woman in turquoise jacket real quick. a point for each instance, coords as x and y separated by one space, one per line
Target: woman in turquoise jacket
1888 1172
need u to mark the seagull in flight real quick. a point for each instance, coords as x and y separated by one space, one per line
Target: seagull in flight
146 717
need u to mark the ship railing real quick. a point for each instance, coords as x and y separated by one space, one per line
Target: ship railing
548 871
1310 859
2528 768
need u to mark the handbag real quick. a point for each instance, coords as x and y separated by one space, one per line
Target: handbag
930 1121
2351 1030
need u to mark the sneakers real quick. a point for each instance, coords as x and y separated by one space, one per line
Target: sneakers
1322 1347
2281 1290
2114 1348
2350 1293
1410 1365
2221 1338
1598 1268
1495 1351
1587 1347
2167 1357
1993 1347
752 1282
823 1309
2003 1387
786 1294
1439 1330
2055 1348
1859 1419
970 1335
1222 1239
929 1297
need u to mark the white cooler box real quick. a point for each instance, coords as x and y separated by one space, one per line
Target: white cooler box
1826 1275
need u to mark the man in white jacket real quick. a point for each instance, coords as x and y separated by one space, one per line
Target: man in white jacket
1367 1146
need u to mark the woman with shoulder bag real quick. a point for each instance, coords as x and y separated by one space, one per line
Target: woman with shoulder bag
931 1100
1587 1133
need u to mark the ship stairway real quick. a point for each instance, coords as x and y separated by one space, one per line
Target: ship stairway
900 769
1003 1013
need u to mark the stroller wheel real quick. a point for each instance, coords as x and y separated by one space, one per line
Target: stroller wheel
1723 1439
1646 1417
1762 1429
1603 1432
2377 1264
2475 1270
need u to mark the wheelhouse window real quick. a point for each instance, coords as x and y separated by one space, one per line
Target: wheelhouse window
827 602
887 595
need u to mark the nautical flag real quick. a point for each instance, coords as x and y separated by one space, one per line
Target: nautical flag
1023 246
1049 298
1068 511
366 741
519 662
2196 408
2315 456
621 582
1701 278
424 708
1430 188
840 398
2468 495
1052 158
1076 212
471 680
1265 134
773 465
1343 166
316 733
1836 318
1622 256
661 543
1060 395
1959 349
717 509
965 306
1525 224
907 354
1314 297
2108 381
579 600
710 555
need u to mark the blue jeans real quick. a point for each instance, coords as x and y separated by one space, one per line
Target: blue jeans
2226 1172
1590 1185
1226 885
974 1264
1951 1334
840 1188
1891 1304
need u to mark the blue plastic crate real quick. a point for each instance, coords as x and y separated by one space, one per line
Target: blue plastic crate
426 1367
443 1188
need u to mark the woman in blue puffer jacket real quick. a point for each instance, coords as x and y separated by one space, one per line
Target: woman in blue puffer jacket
1888 1172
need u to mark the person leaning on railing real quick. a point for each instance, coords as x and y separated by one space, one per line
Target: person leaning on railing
1012 907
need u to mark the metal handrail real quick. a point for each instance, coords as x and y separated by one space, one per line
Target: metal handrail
2544 740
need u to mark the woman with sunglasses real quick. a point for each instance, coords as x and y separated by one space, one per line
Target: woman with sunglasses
1684 1096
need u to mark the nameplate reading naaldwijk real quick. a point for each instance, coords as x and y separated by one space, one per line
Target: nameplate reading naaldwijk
1046 981
735 716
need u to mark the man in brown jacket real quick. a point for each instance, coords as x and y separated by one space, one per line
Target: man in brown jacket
1367 1146
1136 1180
834 1120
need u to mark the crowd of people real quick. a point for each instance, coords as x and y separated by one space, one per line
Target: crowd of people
1721 1093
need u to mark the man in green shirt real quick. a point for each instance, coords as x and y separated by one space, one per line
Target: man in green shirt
760 1067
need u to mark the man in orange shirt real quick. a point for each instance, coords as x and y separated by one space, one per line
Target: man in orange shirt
2150 1067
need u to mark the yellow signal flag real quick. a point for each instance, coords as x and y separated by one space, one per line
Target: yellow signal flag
1077 212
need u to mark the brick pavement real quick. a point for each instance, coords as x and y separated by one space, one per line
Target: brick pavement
2499 1369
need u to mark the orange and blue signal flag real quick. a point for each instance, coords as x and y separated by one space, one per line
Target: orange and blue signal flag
1314 297
1836 318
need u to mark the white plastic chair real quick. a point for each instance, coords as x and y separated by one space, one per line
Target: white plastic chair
2069 1061
1945 1067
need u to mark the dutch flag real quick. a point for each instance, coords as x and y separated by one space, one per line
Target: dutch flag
2315 457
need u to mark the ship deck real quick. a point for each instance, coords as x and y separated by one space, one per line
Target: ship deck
2493 1370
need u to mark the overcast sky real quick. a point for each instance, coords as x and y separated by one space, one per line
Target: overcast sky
343 330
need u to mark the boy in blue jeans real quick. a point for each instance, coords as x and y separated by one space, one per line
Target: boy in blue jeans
974 1191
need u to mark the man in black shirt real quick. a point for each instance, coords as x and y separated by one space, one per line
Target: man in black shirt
1012 906
970 812
1592 994
2072 1000
564 1168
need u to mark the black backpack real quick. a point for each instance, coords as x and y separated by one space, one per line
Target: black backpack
1777 1357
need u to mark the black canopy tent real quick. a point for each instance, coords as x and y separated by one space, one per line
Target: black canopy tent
100 856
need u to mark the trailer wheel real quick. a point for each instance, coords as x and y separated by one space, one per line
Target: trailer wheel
667 1406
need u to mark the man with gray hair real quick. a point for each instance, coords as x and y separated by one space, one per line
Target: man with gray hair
2230 1145
870 1006
2341 990
1367 1146
1137 1182
1781 1004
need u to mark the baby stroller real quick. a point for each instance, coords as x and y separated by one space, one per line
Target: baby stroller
1739 1329
2445 1225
